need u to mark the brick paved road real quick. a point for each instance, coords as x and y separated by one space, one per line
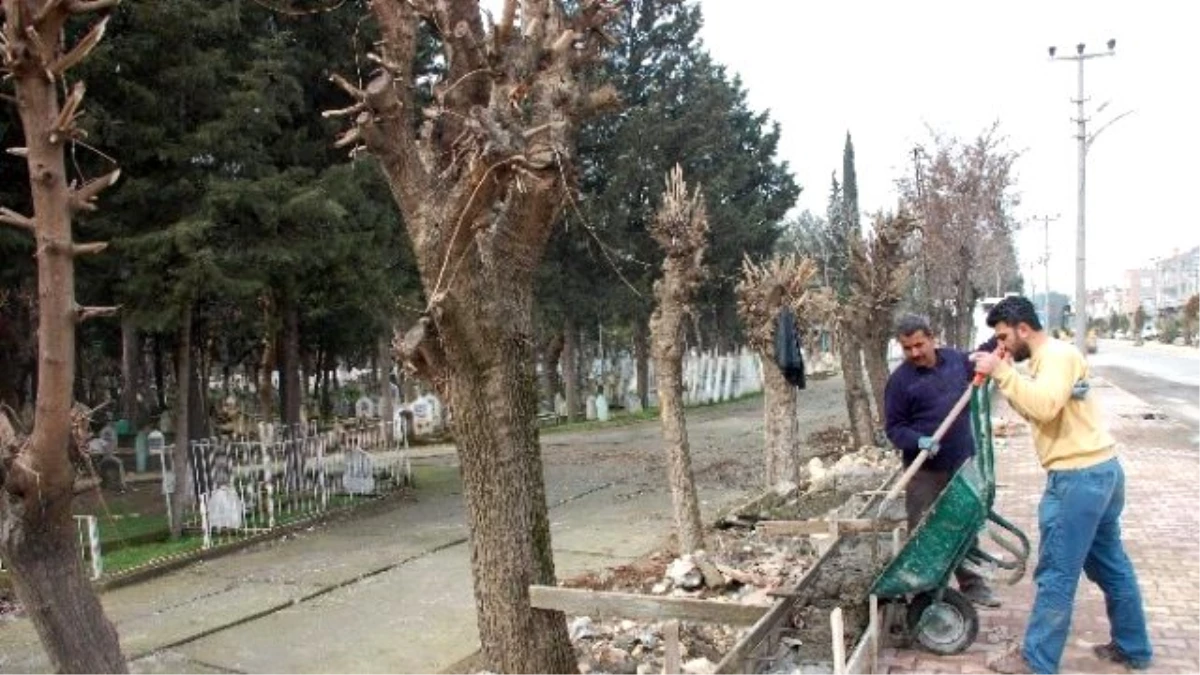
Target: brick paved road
1161 531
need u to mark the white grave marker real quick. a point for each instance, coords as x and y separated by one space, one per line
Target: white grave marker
225 509
359 478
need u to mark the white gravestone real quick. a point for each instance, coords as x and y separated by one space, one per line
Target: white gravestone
560 405
591 408
424 422
602 408
359 477
225 509
364 408
633 403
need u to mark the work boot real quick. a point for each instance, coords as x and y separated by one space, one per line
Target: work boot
1009 661
981 595
1109 652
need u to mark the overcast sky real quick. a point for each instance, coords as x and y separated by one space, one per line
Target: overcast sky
883 70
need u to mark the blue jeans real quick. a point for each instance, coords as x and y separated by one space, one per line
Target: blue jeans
1079 520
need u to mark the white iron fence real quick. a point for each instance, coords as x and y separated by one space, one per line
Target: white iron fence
247 487
89 545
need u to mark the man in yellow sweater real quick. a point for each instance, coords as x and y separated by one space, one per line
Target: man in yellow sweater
1080 512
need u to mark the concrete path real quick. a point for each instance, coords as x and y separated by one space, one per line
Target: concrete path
391 592
1161 530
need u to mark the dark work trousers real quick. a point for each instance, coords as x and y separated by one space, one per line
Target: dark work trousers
919 495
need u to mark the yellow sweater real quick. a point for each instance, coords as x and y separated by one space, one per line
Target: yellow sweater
1067 432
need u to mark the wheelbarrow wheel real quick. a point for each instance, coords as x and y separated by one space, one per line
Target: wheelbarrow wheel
946 626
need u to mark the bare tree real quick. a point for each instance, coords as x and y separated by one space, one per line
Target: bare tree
879 272
480 173
37 530
764 291
681 228
965 201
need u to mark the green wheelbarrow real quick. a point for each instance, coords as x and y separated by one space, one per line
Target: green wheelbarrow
938 617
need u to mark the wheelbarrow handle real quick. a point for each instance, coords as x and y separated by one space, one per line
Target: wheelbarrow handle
913 468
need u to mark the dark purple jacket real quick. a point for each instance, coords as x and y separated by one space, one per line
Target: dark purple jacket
915 402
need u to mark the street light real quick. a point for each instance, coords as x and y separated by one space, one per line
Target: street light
1081 55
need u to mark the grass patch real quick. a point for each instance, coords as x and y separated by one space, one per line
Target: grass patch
623 419
132 557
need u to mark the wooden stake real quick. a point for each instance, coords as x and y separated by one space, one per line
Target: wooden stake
838 630
671 647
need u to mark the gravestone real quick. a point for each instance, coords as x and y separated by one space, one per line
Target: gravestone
112 473
364 408
359 477
155 442
602 408
424 422
560 405
633 403
225 509
400 424
591 408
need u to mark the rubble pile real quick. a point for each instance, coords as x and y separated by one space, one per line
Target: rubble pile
741 566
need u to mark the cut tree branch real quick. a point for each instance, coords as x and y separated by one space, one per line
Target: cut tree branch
81 49
599 101
89 248
345 85
84 198
64 125
10 217
47 9
84 313
85 6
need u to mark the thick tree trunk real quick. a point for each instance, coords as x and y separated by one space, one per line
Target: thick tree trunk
782 426
182 496
641 353
666 329
38 541
875 355
131 375
570 361
858 406
290 371
490 382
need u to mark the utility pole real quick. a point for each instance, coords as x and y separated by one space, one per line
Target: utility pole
1045 262
1085 142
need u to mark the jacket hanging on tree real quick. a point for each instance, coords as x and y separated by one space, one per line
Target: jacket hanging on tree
788 356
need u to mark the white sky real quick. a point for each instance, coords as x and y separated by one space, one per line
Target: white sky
882 70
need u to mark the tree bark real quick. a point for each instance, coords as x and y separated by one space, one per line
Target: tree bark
570 361
387 402
38 541
667 336
782 426
858 406
875 355
551 354
183 495
290 381
131 371
641 351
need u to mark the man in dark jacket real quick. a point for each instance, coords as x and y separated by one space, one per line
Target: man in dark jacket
920 394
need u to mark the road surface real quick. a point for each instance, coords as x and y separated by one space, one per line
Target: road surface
1166 377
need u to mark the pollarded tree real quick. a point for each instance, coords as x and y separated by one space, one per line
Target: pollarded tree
764 292
481 169
37 530
681 229
879 273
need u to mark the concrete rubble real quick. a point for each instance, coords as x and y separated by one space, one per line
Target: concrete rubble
742 566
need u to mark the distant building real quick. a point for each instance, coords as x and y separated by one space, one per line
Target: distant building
1164 286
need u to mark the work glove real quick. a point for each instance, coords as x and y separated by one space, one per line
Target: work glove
1080 390
927 443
